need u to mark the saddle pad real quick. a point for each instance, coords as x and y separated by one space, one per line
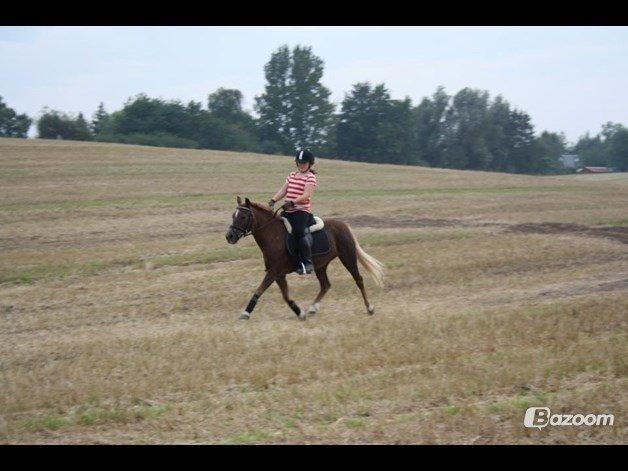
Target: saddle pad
320 243
316 224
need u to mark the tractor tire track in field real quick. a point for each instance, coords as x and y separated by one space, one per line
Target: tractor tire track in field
103 237
617 233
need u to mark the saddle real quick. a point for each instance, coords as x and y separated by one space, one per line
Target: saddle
318 233
316 224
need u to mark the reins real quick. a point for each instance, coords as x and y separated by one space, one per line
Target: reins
248 231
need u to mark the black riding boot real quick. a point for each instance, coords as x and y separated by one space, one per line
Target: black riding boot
305 254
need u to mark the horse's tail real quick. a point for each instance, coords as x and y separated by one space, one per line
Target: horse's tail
370 263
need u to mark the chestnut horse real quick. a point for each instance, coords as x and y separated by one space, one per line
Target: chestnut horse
269 232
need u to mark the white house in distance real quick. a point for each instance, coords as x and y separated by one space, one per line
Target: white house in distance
570 160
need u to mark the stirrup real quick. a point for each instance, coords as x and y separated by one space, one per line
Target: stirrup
305 269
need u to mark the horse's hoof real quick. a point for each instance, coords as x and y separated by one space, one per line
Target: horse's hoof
303 316
371 310
313 309
245 316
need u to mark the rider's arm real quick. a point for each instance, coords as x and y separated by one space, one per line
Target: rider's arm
281 193
307 193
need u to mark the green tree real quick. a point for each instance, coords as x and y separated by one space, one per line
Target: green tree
294 110
430 129
82 131
216 133
399 133
57 125
481 134
500 135
100 120
149 121
374 128
13 124
521 142
144 115
226 103
617 148
466 124
311 110
591 151
273 106
329 148
359 132
549 147
607 149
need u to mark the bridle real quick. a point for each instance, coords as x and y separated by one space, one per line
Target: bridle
243 232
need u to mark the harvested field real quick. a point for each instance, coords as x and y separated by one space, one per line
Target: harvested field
119 299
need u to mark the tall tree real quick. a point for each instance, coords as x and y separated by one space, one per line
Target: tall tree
430 129
398 133
11 123
359 133
591 150
273 105
81 129
617 147
294 110
548 148
500 136
100 119
226 103
374 128
311 110
466 123
521 144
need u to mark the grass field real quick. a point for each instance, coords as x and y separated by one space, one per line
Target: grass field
119 297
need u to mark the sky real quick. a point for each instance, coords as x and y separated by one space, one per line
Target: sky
569 79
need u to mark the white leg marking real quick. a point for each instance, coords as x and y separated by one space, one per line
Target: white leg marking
313 309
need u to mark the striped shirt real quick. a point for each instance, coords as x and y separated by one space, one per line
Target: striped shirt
296 187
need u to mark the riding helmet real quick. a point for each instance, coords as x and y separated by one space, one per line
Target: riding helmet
304 155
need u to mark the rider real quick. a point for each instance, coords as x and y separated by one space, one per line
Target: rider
298 190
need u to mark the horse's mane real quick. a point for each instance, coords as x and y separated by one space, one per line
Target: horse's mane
262 207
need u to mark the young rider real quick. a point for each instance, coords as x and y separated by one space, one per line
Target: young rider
298 190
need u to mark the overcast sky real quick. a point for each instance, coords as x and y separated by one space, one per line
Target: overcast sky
569 79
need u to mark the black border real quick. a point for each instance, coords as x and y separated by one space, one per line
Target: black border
322 13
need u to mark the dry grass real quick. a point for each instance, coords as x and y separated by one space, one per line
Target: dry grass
119 298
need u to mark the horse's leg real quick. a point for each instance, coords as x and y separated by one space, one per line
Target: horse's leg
283 285
349 258
266 282
321 274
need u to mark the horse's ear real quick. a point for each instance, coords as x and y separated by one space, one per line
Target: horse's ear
247 202
239 200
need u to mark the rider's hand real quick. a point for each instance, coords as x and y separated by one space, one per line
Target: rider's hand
288 205
271 203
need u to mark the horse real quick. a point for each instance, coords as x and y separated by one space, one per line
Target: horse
269 233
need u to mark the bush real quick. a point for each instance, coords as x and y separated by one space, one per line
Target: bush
57 125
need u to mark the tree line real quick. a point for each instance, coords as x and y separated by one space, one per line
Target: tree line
467 130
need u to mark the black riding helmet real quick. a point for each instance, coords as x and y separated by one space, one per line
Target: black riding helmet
304 155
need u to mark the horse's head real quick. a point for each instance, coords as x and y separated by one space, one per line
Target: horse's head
242 223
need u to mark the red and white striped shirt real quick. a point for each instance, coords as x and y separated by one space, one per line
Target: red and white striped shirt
296 187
